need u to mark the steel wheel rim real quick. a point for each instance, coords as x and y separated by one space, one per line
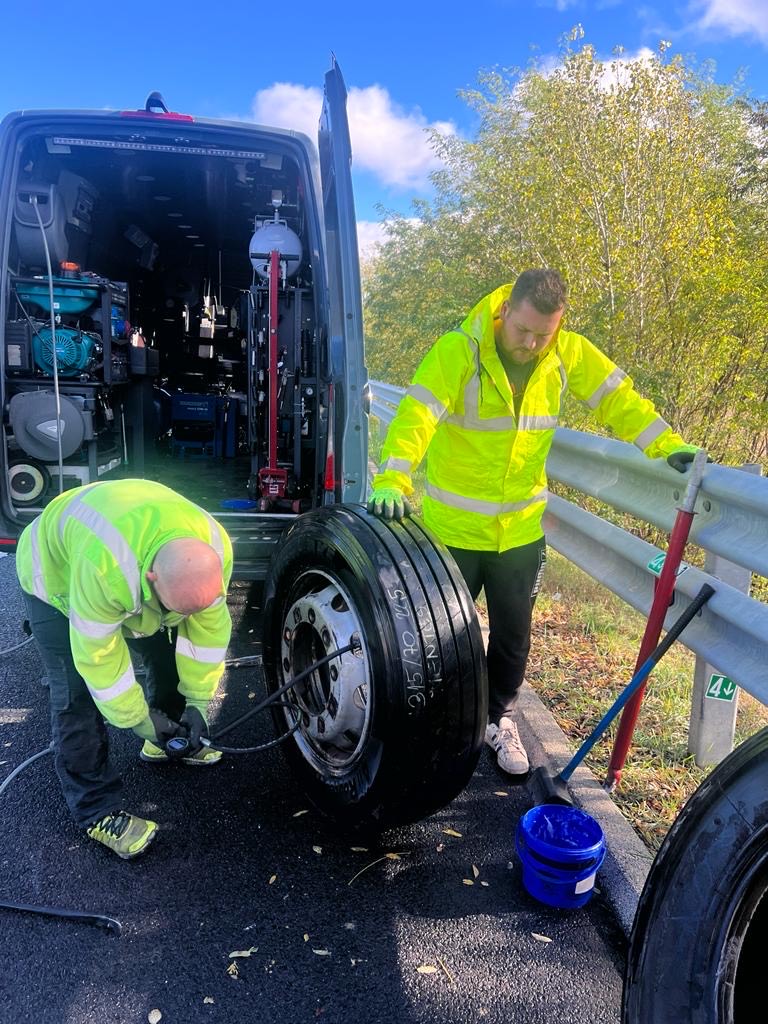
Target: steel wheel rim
334 701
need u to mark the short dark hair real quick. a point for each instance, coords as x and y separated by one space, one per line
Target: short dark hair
544 288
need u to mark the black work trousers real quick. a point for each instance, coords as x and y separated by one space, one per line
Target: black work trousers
511 581
89 781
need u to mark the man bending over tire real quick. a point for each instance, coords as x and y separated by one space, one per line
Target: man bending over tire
484 402
105 567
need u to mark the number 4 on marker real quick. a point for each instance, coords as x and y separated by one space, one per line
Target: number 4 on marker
721 688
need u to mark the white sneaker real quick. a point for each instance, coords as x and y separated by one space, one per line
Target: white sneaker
505 740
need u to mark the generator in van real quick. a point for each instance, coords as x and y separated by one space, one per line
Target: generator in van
180 301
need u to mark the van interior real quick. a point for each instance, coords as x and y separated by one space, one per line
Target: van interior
162 305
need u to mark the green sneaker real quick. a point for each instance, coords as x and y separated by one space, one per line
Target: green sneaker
124 833
156 755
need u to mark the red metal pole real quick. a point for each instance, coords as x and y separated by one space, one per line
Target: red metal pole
274 279
659 606
272 480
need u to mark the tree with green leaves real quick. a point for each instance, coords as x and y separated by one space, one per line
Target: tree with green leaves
635 178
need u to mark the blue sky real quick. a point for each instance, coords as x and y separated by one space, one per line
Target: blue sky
403 63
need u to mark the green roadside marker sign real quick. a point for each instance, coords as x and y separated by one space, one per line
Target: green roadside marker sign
721 688
657 564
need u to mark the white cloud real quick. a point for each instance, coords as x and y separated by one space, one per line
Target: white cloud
369 234
391 143
739 17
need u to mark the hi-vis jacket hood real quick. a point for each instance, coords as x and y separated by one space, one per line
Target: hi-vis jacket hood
88 554
486 481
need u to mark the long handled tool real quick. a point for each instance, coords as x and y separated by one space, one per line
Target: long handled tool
548 789
662 597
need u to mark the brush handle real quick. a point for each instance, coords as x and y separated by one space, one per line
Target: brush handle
638 679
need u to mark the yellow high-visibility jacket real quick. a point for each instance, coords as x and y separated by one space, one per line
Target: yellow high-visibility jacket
87 555
486 479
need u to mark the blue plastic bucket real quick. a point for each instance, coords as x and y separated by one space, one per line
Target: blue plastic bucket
561 849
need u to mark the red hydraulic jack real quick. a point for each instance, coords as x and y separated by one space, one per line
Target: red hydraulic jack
662 598
272 479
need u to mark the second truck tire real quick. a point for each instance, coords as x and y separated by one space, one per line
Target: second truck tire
697 949
392 730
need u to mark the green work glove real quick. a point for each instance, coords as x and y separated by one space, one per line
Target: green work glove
194 723
157 727
681 460
389 503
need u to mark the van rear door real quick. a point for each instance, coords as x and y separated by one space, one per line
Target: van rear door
350 419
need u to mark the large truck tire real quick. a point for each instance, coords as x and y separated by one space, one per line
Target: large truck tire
392 730
697 948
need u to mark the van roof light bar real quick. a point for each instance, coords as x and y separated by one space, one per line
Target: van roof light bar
155 147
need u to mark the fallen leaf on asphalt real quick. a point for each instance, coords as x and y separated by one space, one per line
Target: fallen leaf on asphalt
500 792
359 849
298 814
243 952
317 849
306 937
447 972
322 952
426 969
467 881
154 1016
251 695
486 884
541 938
208 999
475 870
440 847
387 856
273 879
452 832
232 970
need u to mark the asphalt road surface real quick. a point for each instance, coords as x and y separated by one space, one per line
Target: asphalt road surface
249 907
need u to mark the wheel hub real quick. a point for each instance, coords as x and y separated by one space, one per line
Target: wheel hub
334 699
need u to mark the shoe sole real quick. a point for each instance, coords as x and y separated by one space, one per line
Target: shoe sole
147 844
148 759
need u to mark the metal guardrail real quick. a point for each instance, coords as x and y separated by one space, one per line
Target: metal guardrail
731 632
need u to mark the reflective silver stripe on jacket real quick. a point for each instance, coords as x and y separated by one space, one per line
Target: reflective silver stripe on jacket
395 465
649 435
537 423
563 377
425 397
485 508
217 541
125 682
37 570
91 629
610 384
209 655
471 418
111 538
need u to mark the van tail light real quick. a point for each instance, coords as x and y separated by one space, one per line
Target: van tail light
329 484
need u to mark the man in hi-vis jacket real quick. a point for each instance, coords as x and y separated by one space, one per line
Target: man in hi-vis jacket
483 406
105 567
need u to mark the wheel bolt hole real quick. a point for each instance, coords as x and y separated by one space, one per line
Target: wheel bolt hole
286 664
326 637
287 636
311 615
334 673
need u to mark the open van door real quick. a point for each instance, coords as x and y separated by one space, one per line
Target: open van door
346 468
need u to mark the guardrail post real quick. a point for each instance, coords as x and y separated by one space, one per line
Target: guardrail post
715 696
